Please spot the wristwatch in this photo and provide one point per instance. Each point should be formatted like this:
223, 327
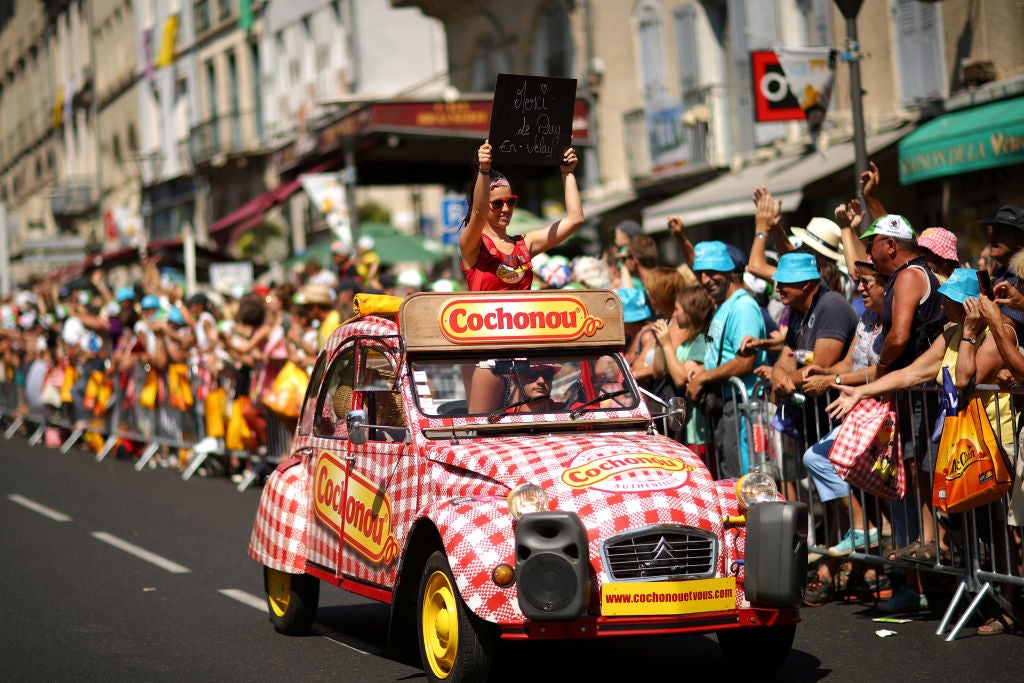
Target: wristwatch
760, 235
969, 340
839, 379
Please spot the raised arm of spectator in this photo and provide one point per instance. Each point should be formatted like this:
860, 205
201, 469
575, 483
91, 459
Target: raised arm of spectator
849, 217
766, 217
870, 180
675, 226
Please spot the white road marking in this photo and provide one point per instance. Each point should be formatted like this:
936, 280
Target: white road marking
141, 553
37, 507
245, 598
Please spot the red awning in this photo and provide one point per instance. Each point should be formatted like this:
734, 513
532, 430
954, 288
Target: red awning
227, 229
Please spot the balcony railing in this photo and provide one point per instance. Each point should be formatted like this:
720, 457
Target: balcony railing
224, 135
73, 198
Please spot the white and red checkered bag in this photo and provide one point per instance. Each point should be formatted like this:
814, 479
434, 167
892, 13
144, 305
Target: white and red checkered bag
867, 451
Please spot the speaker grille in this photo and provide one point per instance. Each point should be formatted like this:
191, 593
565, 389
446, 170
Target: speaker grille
547, 582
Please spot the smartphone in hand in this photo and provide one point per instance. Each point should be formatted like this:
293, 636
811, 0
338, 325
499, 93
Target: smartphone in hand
985, 283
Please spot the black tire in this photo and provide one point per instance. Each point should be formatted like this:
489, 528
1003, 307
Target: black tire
292, 600
763, 648
454, 644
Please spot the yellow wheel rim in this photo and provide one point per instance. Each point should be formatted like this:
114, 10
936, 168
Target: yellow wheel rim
279, 591
440, 625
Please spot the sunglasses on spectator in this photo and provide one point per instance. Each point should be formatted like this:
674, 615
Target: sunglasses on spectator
512, 200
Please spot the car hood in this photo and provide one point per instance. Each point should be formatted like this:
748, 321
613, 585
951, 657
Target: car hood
574, 469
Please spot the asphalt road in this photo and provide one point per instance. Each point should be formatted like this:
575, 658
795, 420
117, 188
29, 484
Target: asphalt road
112, 574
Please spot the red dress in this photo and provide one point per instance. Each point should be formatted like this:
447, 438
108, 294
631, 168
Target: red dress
496, 271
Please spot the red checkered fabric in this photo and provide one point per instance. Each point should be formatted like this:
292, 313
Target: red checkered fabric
278, 536
868, 437
940, 242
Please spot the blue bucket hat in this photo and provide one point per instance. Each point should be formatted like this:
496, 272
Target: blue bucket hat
712, 255
961, 285
149, 302
634, 305
125, 293
797, 266
174, 316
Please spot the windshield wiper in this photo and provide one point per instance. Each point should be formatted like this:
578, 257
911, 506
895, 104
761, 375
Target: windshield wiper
578, 410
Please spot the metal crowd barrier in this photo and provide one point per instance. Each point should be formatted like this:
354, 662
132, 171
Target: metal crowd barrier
984, 549
174, 431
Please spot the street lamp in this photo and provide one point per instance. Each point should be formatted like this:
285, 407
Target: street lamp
850, 8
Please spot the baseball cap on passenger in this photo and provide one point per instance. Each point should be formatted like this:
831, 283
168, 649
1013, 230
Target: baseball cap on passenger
940, 242
961, 285
797, 266
1012, 216
891, 225
712, 255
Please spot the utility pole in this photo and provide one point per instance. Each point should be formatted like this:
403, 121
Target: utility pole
850, 9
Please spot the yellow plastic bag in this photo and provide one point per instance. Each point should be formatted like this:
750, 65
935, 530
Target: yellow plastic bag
70, 377
285, 394
178, 388
216, 408
150, 390
239, 436
98, 390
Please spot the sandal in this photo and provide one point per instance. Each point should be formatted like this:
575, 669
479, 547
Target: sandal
904, 553
927, 554
997, 626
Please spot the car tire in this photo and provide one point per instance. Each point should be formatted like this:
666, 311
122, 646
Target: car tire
292, 600
454, 644
760, 648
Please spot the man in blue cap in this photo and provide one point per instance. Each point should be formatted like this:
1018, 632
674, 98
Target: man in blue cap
737, 316
821, 322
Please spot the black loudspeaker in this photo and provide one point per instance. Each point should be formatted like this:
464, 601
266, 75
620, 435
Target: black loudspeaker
775, 558
552, 565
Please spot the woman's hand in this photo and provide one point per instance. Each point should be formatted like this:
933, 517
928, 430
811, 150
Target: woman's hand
817, 385
848, 398
484, 157
1008, 295
974, 323
811, 370
675, 225
569, 160
661, 332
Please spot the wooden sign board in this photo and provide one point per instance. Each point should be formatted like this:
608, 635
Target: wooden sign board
531, 119
532, 319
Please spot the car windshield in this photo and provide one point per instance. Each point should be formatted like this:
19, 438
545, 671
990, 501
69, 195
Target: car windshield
496, 386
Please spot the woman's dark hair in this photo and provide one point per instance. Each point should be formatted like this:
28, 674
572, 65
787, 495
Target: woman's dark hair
251, 310
471, 192
829, 270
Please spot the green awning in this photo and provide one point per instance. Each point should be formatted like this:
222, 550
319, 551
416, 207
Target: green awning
988, 136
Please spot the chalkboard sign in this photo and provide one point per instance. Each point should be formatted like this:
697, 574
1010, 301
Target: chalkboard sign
531, 119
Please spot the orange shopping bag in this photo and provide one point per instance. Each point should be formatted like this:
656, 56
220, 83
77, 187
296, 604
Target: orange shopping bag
216, 409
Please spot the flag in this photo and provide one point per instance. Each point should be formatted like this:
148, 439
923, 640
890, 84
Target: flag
950, 404
245, 15
811, 73
165, 57
58, 108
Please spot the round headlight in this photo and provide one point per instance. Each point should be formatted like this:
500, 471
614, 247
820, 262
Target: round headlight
526, 498
756, 487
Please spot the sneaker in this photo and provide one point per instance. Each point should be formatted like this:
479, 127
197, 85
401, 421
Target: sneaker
853, 539
819, 592
904, 600
237, 477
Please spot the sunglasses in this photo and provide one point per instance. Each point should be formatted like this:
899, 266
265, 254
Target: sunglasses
512, 200
533, 376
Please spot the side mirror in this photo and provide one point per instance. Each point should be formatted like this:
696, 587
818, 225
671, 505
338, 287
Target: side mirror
355, 421
676, 413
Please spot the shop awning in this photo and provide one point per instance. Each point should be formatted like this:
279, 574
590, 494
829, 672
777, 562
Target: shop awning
227, 229
730, 195
987, 136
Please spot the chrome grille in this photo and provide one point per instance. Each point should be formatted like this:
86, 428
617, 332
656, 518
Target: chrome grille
660, 553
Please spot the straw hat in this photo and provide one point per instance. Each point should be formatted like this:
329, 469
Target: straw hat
823, 236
